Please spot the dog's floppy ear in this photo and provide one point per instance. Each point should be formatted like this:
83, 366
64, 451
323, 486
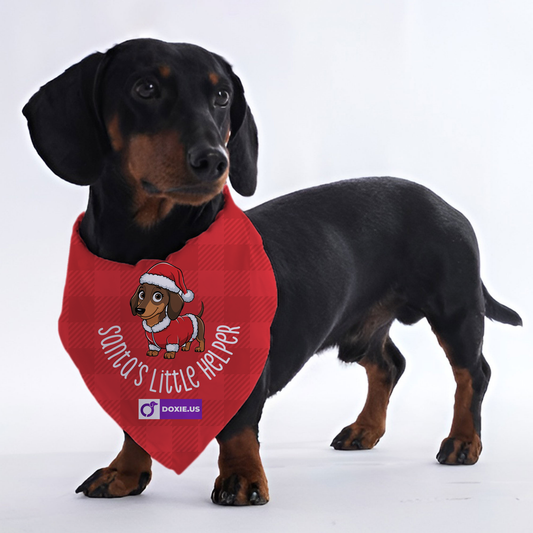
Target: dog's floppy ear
64, 126
175, 305
243, 144
134, 300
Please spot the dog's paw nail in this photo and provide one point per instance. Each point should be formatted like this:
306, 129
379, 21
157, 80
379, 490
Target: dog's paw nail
337, 443
255, 498
356, 443
227, 498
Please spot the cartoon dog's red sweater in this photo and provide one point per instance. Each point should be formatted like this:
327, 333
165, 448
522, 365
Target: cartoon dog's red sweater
171, 334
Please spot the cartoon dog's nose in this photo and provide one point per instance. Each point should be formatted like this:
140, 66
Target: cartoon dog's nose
139, 310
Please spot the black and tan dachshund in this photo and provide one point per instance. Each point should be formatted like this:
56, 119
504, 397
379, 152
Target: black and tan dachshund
156, 129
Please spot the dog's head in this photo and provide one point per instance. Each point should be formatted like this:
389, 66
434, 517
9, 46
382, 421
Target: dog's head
150, 301
169, 117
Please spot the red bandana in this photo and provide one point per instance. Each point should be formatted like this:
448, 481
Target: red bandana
175, 384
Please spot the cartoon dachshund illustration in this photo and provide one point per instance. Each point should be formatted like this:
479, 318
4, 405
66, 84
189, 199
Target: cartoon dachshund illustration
159, 300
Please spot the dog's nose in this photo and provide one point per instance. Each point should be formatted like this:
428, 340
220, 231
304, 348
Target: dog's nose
139, 310
207, 162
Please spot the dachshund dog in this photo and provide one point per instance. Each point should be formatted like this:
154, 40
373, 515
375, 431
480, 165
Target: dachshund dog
161, 307
156, 129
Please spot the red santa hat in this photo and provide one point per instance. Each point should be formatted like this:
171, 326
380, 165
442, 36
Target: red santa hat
168, 277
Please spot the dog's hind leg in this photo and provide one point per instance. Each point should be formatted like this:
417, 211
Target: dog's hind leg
127, 475
384, 364
201, 334
461, 337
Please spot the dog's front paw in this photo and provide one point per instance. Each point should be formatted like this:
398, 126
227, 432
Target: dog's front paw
454, 451
170, 355
237, 490
152, 353
357, 437
110, 483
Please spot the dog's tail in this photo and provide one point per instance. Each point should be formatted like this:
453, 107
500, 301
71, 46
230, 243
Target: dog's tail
496, 311
201, 311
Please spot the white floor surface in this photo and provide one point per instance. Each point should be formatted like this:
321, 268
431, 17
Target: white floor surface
313, 489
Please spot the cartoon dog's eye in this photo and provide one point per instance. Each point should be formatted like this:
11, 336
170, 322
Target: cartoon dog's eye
157, 297
141, 295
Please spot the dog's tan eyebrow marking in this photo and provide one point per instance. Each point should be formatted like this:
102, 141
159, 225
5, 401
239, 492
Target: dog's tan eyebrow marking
113, 130
164, 70
214, 78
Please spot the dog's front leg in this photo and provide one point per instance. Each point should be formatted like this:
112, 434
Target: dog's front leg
127, 475
242, 479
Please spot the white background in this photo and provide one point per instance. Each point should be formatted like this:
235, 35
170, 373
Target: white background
435, 91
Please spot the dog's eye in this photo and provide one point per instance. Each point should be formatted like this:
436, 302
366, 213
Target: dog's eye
157, 297
147, 88
222, 98
141, 295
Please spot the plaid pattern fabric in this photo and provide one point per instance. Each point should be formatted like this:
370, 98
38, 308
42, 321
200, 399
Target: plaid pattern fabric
228, 270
